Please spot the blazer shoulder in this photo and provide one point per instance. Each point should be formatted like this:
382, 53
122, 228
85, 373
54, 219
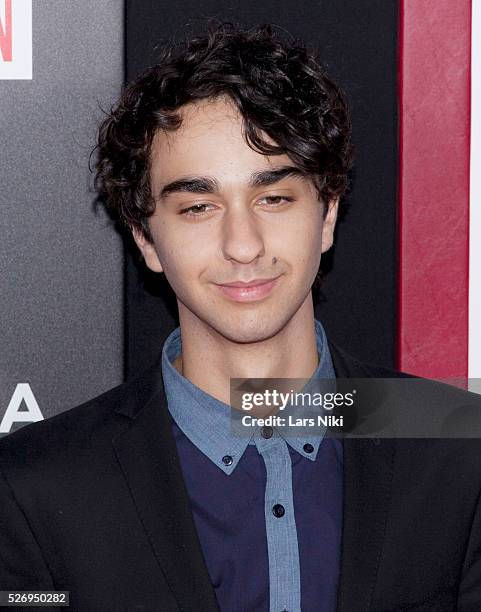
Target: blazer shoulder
421, 407
91, 424
348, 366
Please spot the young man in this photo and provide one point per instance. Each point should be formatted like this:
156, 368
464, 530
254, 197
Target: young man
227, 161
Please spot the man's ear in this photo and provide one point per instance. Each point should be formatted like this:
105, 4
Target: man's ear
148, 250
329, 225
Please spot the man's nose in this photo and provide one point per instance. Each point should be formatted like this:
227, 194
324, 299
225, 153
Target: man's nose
242, 238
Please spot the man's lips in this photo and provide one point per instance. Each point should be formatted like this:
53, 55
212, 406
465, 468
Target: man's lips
241, 291
252, 283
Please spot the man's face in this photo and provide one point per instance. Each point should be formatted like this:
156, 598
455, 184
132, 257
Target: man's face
221, 218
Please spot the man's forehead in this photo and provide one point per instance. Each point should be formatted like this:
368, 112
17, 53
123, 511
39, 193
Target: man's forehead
213, 120
210, 109
210, 143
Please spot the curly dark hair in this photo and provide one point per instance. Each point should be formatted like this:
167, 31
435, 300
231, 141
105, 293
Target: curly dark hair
278, 86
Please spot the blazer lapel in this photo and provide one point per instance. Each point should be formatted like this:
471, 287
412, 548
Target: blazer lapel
148, 457
368, 472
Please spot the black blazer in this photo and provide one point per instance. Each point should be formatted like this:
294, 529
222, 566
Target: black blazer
93, 501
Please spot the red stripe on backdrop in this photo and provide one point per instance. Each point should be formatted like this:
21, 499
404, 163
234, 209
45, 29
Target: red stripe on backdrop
434, 89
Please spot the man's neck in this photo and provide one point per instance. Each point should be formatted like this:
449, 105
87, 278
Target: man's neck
209, 360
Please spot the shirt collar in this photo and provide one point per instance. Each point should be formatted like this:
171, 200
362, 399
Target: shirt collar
206, 421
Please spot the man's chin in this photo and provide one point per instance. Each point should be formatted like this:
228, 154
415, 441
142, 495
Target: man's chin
249, 330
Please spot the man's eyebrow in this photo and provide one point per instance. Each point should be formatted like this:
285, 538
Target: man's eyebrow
269, 177
192, 184
208, 184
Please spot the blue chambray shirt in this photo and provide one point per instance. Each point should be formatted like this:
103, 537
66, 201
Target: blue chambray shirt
268, 511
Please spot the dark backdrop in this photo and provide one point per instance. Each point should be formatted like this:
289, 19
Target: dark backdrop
358, 45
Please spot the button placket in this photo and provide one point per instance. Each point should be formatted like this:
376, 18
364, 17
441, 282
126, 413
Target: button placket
282, 542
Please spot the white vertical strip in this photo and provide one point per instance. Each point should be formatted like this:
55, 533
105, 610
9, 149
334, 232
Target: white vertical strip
474, 354
20, 64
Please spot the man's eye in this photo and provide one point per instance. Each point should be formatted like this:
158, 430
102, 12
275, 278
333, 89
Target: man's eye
275, 200
198, 210
195, 210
